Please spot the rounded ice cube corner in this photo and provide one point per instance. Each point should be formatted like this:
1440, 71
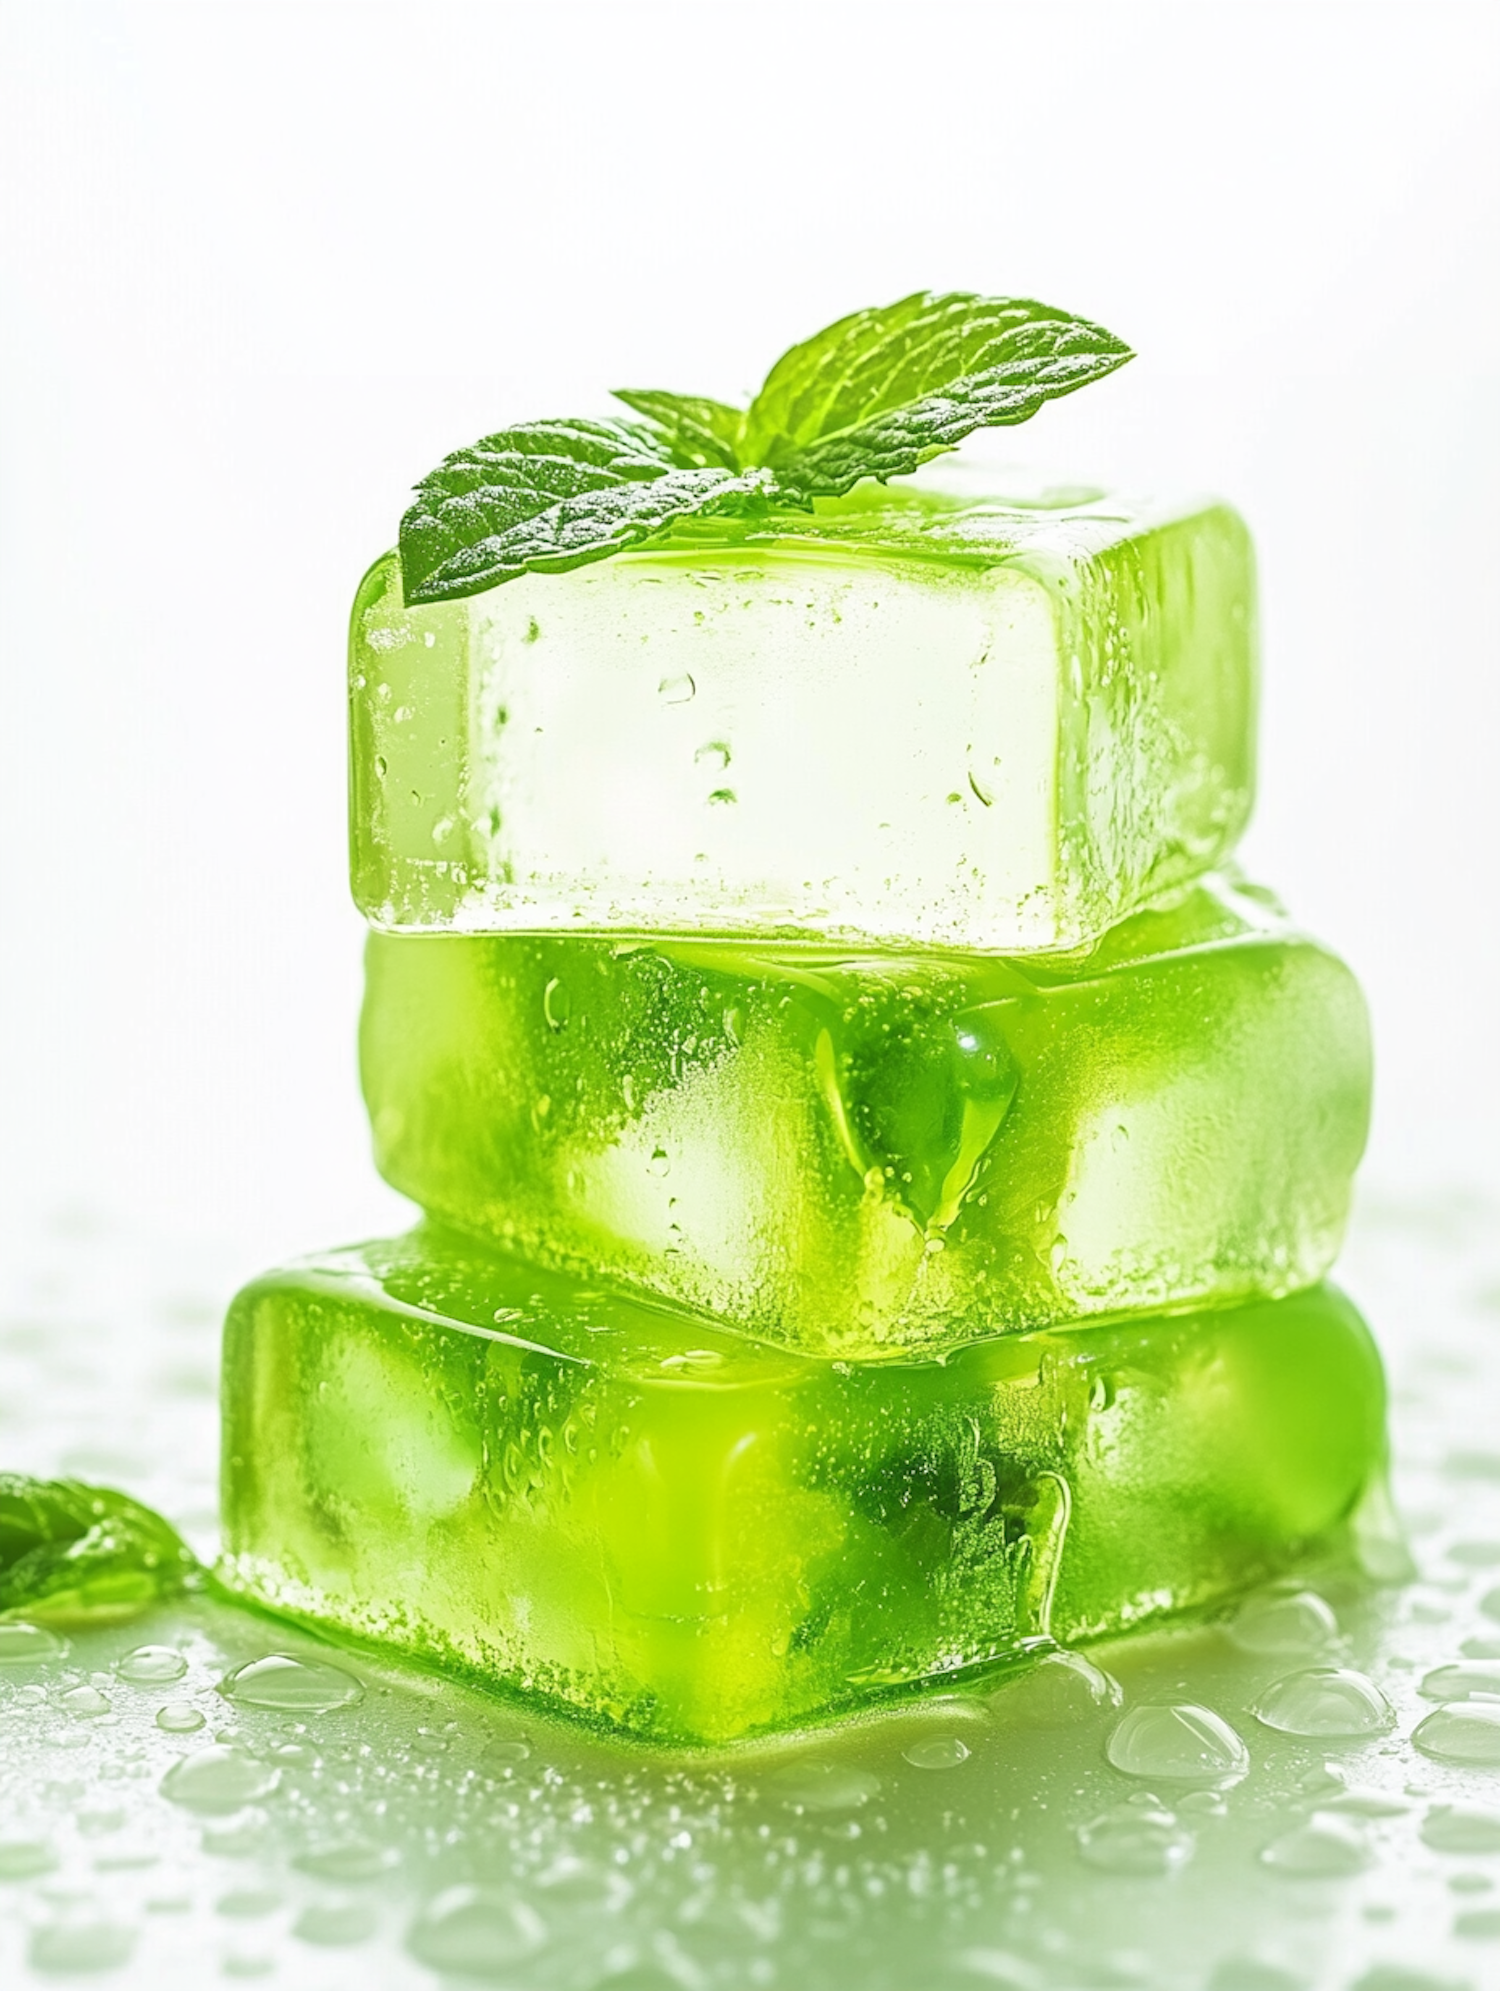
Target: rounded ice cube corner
670, 1531
911, 718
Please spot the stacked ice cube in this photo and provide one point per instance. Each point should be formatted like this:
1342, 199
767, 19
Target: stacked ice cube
878, 1161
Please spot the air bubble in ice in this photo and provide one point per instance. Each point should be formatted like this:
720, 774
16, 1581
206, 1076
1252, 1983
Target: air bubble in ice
660, 1163
1466, 1732
557, 1005
1186, 1743
1325, 1847
676, 690
219, 1778
1283, 1623
1462, 1828
1136, 1839
306, 1686
714, 754
1325, 1700
475, 1931
1478, 1680
151, 1666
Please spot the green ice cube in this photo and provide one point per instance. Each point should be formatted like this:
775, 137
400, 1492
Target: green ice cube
903, 717
858, 1154
676, 1531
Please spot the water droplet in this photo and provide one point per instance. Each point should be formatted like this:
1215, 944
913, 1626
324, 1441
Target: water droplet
1362, 1802
348, 1861
28, 1645
85, 1702
676, 690
151, 1666
504, 1752
937, 1752
335, 1924
240, 1837
1462, 1828
1479, 1680
823, 1787
1187, 1743
1481, 1648
476, 1931
1283, 1622
1055, 1691
660, 1162
219, 1778
557, 1004
1475, 1555
1466, 1732
1480, 1925
1325, 1700
1489, 1603
1325, 1847
713, 753
1397, 1977
179, 1718
248, 1963
1136, 1839
23, 1859
308, 1686
86, 1940
1246, 1973
249, 1903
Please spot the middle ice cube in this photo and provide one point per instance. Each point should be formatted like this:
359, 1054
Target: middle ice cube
861, 1154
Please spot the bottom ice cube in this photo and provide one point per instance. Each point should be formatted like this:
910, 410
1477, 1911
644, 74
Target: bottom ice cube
688, 1535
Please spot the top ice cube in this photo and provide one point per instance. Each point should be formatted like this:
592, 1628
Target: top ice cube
907, 717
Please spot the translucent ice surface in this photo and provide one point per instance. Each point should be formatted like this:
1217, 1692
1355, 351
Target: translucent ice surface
683, 1534
859, 1153
906, 718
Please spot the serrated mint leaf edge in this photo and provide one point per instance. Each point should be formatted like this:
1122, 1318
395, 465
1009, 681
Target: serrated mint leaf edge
590, 527
903, 439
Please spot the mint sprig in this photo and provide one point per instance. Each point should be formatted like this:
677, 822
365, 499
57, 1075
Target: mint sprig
877, 394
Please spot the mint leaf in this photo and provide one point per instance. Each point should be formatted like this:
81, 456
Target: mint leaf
879, 393
699, 433
546, 496
71, 1553
875, 395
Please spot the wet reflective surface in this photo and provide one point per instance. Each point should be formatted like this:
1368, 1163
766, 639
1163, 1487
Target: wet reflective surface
200, 1795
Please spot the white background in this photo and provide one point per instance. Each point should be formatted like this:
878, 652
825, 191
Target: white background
265, 263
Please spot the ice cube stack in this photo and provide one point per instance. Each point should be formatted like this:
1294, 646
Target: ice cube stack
878, 1160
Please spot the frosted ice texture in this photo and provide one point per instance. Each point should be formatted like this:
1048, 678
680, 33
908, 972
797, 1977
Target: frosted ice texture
867, 1153
675, 1531
905, 718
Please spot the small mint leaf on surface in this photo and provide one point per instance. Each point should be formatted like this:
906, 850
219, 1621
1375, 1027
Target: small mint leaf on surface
546, 496
71, 1554
881, 392
701, 434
